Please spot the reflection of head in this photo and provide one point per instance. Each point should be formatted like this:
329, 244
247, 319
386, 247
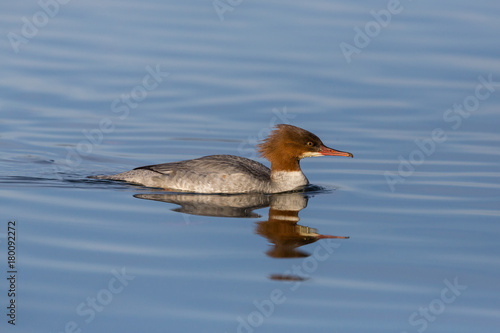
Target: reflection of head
282, 230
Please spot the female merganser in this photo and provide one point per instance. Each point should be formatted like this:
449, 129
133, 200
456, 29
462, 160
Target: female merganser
284, 148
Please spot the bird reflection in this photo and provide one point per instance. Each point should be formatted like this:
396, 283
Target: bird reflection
281, 228
236, 205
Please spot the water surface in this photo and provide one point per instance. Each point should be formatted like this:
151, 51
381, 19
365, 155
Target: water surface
103, 87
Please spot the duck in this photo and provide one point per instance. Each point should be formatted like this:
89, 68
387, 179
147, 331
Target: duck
284, 148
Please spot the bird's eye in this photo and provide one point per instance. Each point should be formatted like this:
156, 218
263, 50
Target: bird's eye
310, 144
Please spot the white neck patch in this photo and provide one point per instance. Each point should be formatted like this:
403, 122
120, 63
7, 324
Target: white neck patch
283, 181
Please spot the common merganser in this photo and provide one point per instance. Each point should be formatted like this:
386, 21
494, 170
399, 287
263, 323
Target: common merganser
284, 148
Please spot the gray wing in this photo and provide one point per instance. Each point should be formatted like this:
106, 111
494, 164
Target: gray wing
213, 164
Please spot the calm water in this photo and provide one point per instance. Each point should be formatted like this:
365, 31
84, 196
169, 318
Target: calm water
411, 89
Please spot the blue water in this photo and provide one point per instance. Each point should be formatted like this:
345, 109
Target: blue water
411, 89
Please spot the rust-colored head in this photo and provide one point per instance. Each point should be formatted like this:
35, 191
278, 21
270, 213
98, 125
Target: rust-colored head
287, 144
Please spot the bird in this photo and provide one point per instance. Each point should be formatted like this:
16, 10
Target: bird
285, 146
